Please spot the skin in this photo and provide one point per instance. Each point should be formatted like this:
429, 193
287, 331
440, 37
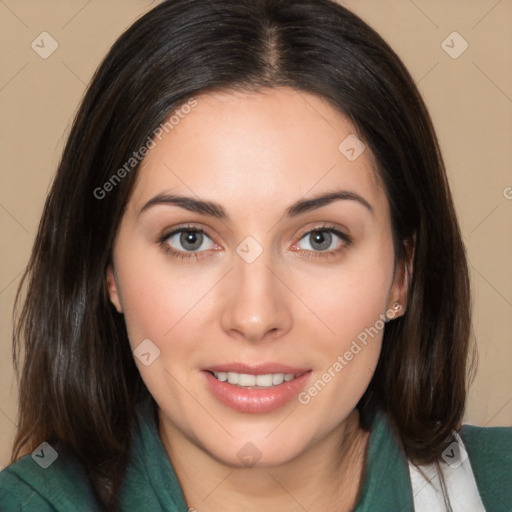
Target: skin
256, 154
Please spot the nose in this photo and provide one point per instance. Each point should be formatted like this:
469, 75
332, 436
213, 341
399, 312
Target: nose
255, 303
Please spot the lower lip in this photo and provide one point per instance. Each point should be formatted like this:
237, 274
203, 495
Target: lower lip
255, 400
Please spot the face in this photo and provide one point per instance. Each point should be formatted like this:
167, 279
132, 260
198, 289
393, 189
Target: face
255, 248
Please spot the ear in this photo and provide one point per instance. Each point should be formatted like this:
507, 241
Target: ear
402, 279
113, 290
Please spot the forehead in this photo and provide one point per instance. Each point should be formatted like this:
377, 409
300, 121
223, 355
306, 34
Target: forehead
267, 147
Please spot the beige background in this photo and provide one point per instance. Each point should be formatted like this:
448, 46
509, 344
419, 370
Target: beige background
470, 99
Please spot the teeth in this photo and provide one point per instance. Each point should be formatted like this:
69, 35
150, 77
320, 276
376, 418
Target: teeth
248, 380
265, 380
233, 378
277, 378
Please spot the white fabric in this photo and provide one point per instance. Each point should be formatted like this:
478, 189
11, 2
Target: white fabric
460, 483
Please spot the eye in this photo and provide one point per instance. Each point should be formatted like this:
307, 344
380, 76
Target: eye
323, 240
317, 241
189, 240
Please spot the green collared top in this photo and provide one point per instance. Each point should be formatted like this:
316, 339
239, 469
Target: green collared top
151, 485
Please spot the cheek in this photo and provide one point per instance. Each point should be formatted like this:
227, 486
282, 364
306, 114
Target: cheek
146, 308
358, 303
160, 304
351, 297
351, 303
156, 295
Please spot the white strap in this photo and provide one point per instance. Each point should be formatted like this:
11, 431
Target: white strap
460, 483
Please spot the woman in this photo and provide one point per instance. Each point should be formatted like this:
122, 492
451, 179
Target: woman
248, 289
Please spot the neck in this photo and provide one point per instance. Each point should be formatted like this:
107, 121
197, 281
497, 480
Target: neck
326, 477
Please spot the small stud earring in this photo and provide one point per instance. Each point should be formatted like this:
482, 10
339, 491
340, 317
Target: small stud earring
391, 313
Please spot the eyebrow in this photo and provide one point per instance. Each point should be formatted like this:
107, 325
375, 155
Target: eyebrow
216, 210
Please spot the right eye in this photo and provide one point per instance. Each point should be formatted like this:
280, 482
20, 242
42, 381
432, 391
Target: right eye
186, 242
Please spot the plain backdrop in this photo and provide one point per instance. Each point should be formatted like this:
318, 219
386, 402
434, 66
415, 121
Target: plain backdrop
469, 95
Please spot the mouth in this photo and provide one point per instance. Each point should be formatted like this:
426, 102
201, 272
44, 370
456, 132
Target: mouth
255, 388
251, 381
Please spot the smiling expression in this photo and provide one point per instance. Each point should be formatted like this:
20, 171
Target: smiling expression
252, 245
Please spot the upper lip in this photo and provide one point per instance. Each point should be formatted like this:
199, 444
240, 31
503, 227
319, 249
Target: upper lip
256, 369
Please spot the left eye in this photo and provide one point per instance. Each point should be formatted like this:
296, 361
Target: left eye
190, 240
319, 240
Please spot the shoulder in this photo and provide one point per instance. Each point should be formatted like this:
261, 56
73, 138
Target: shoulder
490, 441
489, 451
488, 447
16, 494
32, 484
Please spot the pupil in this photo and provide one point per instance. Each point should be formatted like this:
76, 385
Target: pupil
321, 240
191, 240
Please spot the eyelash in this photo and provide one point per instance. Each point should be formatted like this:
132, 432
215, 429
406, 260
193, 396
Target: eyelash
181, 255
346, 241
185, 255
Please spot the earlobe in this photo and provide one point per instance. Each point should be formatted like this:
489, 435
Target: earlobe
113, 290
403, 278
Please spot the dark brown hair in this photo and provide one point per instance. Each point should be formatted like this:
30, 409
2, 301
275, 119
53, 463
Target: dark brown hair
73, 339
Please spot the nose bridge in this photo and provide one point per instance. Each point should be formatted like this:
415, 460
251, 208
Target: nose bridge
255, 305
